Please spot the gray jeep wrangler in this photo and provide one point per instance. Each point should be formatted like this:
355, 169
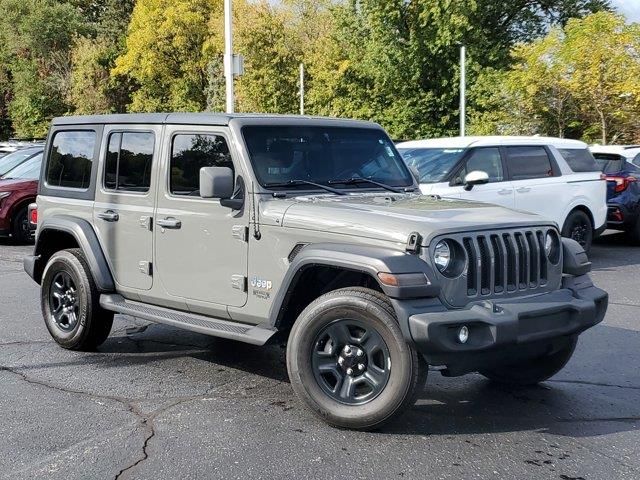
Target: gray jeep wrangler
311, 230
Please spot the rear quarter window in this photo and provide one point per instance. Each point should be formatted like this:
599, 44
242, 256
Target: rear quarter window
579, 159
70, 159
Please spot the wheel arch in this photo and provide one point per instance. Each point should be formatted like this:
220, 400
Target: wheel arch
320, 268
583, 208
62, 232
24, 202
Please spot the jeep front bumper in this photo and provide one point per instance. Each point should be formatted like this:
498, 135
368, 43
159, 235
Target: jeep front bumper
501, 332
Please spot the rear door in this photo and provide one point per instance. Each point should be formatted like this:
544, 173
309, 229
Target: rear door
124, 202
498, 191
201, 251
536, 181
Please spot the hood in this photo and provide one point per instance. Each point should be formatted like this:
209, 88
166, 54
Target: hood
394, 217
9, 185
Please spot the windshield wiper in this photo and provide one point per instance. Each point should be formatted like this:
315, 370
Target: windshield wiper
356, 180
293, 183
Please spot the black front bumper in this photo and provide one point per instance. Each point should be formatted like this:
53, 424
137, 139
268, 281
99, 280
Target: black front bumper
502, 332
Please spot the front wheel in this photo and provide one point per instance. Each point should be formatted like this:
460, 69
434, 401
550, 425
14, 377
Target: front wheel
349, 362
535, 370
578, 227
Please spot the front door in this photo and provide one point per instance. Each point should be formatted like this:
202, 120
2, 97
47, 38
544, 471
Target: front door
200, 246
124, 202
498, 191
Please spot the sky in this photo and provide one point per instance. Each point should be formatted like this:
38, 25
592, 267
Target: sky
630, 8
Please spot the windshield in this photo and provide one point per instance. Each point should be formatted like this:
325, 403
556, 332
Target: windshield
433, 164
283, 154
29, 170
14, 159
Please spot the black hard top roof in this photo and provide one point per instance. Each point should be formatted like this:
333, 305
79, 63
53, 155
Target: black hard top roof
218, 119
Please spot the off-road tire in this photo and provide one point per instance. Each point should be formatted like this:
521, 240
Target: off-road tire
407, 372
93, 322
19, 228
533, 371
579, 220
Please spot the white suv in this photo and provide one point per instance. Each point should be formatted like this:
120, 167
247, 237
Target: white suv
553, 177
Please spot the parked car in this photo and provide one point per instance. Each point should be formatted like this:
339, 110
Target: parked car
18, 188
631, 153
623, 190
555, 178
15, 158
260, 228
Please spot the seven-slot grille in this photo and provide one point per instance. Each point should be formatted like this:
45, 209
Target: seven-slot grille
502, 263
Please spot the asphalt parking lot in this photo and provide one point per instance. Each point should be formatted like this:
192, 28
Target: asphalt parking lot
159, 403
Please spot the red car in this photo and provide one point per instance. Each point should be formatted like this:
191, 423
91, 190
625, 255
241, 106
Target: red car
19, 188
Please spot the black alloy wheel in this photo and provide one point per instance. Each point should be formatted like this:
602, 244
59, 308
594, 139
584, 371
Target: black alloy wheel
351, 362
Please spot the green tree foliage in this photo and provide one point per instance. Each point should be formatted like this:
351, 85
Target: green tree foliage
36, 36
166, 55
582, 81
395, 61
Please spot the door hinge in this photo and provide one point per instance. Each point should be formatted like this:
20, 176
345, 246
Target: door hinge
239, 282
240, 232
145, 267
146, 222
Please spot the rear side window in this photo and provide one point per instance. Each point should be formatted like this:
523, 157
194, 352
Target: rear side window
70, 159
128, 162
636, 160
528, 162
579, 159
191, 152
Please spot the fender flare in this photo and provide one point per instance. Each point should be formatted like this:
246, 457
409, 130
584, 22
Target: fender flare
86, 238
358, 258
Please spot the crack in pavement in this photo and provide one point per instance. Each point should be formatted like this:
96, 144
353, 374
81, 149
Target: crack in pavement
144, 420
595, 384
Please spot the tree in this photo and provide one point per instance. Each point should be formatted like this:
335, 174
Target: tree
35, 36
603, 53
166, 55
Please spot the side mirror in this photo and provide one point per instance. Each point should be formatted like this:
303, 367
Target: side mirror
216, 182
476, 177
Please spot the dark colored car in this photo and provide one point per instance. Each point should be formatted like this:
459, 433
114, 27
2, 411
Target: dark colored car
18, 188
623, 193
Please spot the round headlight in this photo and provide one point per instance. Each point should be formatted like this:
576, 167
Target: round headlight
442, 255
552, 247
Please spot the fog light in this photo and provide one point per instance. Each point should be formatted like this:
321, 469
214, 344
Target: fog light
463, 334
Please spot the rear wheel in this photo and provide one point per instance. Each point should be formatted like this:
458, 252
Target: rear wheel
20, 227
349, 362
70, 303
535, 370
578, 227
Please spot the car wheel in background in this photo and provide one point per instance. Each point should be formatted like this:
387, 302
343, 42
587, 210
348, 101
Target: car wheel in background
578, 227
20, 227
534, 370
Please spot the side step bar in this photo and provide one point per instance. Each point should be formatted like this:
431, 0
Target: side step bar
255, 335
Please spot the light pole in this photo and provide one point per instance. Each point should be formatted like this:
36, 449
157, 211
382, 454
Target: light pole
463, 88
301, 89
228, 55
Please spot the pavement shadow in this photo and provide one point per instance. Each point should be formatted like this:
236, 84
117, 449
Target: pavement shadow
612, 250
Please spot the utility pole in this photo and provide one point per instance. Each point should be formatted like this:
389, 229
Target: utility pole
228, 55
301, 93
463, 88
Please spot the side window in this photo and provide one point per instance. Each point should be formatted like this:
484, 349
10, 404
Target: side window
128, 162
70, 159
485, 160
191, 152
579, 159
528, 162
636, 160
